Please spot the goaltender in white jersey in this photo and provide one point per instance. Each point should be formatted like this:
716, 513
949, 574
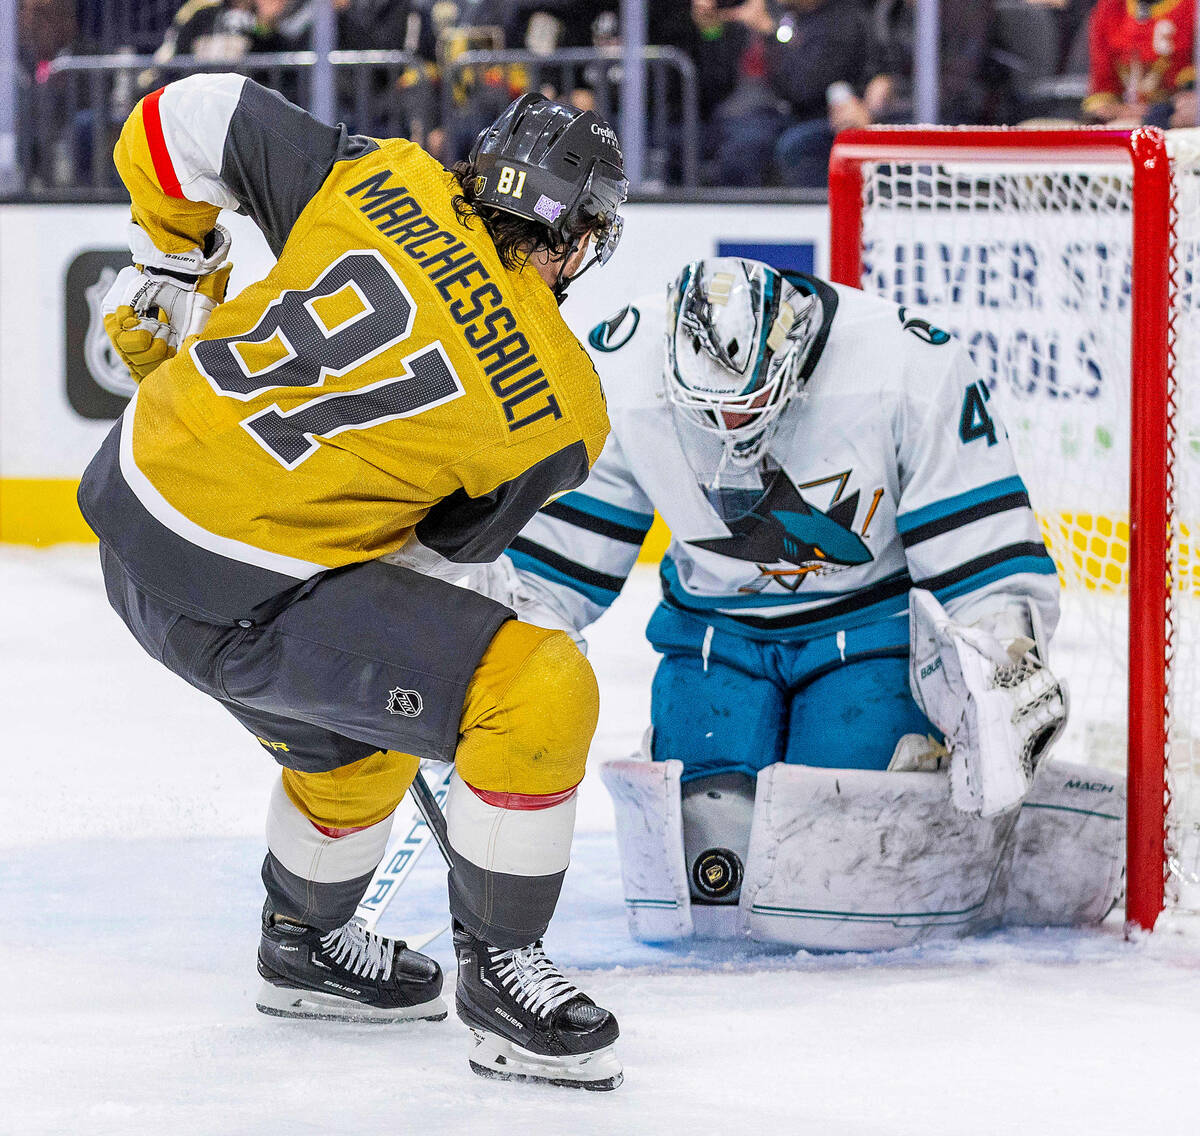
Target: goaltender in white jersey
856, 589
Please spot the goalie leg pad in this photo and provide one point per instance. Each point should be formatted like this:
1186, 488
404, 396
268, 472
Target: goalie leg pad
1068, 860
861, 860
647, 803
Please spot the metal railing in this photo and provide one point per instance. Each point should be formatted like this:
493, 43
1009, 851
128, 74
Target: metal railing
672, 121
71, 121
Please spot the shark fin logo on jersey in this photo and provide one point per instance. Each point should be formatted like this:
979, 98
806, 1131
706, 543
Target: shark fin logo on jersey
613, 333
923, 329
785, 528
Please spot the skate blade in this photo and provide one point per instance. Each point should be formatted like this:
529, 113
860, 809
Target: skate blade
494, 1057
290, 1002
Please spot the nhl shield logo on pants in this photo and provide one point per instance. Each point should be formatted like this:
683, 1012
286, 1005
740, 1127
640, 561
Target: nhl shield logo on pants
404, 702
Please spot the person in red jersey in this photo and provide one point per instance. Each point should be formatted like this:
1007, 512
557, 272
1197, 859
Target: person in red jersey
1141, 56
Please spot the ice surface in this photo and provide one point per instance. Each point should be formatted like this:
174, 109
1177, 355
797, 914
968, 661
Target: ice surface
132, 817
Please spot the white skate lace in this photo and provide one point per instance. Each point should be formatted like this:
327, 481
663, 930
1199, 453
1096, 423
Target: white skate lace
532, 979
360, 951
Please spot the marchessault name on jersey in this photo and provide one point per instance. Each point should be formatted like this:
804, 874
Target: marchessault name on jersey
509, 362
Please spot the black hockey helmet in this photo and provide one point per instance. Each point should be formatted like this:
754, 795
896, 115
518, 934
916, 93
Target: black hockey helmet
554, 165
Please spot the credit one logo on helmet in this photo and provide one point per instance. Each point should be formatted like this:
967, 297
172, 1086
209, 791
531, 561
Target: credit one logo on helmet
607, 133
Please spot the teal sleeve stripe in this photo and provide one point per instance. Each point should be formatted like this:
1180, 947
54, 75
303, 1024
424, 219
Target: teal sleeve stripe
594, 507
1037, 565
602, 597
906, 522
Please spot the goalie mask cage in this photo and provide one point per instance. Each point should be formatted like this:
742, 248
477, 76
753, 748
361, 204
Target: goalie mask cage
1066, 260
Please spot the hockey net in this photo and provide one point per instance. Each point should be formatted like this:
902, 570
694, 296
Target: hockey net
1066, 260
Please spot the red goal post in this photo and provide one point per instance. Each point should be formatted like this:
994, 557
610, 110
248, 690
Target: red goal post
1142, 156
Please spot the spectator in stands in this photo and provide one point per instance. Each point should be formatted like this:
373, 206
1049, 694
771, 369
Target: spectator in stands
221, 30
228, 30
578, 23
1071, 17
1141, 60
477, 94
669, 24
547, 25
798, 53
232, 30
965, 34
1183, 109
47, 29
717, 47
386, 25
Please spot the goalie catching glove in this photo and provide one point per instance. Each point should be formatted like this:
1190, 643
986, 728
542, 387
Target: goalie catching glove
162, 298
998, 705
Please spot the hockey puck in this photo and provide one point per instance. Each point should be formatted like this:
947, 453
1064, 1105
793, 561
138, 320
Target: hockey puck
717, 873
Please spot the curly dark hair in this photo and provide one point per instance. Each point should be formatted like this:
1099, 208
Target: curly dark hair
516, 238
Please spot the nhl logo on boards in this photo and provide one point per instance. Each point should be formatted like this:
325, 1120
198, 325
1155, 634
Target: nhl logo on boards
406, 703
98, 384
717, 874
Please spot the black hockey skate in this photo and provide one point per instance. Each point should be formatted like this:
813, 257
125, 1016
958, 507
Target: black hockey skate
529, 1022
350, 974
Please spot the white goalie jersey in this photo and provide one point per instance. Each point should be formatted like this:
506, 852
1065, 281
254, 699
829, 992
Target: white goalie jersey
888, 471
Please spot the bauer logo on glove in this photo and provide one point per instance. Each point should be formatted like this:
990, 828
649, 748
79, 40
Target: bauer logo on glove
163, 298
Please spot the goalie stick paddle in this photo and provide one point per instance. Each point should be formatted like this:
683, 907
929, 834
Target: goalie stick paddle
423, 824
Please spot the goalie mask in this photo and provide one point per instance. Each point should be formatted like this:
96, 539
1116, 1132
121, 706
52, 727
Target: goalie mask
738, 333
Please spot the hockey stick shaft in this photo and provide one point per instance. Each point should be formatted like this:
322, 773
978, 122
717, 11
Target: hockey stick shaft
404, 851
432, 812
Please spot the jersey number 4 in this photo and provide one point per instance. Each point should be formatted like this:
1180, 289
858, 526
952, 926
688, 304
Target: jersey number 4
975, 421
357, 309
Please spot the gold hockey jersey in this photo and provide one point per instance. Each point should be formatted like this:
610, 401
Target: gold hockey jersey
389, 387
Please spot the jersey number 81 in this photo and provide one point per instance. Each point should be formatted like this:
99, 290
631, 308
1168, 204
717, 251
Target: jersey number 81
302, 348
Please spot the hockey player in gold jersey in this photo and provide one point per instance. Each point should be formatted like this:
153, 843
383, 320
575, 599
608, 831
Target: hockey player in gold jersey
302, 470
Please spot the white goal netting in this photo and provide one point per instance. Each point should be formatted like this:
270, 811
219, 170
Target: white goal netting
1029, 262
